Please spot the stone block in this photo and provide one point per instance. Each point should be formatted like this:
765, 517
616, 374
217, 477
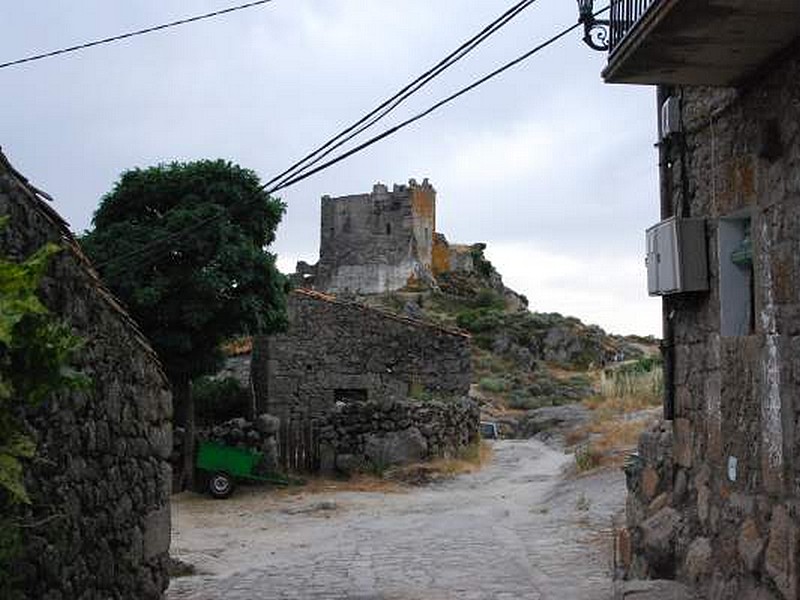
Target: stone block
703, 504
697, 565
683, 446
658, 503
780, 558
396, 448
268, 424
658, 541
157, 532
650, 481
750, 545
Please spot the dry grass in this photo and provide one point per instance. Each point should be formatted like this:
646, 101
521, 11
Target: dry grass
612, 432
473, 460
394, 480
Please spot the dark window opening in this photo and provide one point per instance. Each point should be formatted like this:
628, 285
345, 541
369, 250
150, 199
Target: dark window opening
347, 395
388, 229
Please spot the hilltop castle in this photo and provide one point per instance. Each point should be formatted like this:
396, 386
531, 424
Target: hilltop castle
382, 241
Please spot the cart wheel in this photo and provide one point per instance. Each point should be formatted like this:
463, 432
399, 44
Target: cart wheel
220, 485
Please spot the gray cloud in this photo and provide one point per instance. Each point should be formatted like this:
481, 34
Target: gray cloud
546, 155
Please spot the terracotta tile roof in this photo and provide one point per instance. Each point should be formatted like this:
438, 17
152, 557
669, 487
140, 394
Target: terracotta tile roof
237, 347
383, 313
39, 201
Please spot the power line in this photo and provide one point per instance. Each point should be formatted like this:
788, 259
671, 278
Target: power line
300, 177
387, 106
425, 113
131, 34
384, 109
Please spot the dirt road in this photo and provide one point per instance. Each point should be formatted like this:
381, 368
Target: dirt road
516, 530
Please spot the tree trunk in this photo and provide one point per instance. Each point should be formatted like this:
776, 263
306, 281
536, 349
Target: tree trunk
184, 412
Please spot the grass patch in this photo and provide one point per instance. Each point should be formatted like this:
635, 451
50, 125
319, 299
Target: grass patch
468, 460
495, 385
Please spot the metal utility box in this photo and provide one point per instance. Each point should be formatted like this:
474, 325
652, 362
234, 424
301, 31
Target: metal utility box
677, 258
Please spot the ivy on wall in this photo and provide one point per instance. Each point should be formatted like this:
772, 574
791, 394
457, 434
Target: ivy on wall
35, 351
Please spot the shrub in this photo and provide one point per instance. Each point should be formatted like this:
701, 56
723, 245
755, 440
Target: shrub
488, 298
523, 402
493, 384
480, 320
218, 400
587, 458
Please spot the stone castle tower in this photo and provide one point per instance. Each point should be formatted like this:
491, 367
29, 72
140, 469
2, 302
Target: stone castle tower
377, 242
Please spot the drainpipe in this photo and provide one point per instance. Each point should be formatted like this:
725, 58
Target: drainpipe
667, 211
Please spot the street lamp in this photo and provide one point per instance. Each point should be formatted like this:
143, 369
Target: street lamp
595, 31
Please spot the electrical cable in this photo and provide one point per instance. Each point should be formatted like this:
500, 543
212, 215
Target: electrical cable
425, 113
130, 34
388, 132
387, 106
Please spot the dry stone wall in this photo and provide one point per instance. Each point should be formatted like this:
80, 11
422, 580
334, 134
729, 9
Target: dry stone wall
731, 519
100, 482
372, 435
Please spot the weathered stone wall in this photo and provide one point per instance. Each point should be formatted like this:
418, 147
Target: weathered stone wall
736, 457
337, 350
100, 482
373, 243
373, 435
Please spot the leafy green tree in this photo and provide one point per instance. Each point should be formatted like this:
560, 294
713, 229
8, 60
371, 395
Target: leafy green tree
184, 246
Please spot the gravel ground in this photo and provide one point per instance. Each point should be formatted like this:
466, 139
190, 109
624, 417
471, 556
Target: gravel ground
519, 529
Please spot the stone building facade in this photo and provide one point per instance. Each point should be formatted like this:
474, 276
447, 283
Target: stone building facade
344, 351
100, 482
715, 491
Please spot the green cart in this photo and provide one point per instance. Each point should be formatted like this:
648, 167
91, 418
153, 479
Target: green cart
224, 465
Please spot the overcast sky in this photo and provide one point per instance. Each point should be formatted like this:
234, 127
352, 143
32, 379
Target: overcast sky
553, 169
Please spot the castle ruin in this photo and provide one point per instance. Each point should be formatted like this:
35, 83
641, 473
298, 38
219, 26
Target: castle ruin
381, 241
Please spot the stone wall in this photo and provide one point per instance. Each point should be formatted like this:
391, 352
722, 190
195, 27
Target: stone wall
100, 482
376, 242
335, 350
373, 435
734, 528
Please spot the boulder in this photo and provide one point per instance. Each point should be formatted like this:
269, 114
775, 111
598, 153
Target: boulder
658, 540
268, 424
697, 564
396, 447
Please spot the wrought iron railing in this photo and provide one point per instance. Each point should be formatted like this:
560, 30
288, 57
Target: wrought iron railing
625, 14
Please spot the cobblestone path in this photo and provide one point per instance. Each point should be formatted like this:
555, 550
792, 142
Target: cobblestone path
517, 530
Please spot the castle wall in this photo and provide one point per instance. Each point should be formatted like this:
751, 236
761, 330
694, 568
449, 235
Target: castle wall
99, 522
730, 519
335, 348
377, 242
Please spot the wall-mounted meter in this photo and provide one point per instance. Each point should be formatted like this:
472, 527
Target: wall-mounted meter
677, 259
670, 117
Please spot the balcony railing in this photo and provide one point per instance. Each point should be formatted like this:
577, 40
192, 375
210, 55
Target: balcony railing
625, 14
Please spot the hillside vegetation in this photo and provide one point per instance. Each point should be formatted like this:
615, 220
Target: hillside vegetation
522, 359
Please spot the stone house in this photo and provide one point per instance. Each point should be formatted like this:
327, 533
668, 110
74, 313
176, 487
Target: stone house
100, 482
339, 351
715, 492
381, 241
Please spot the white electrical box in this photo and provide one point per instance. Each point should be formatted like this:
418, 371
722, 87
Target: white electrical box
677, 259
670, 117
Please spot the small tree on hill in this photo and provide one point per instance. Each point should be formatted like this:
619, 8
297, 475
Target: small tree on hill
183, 245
